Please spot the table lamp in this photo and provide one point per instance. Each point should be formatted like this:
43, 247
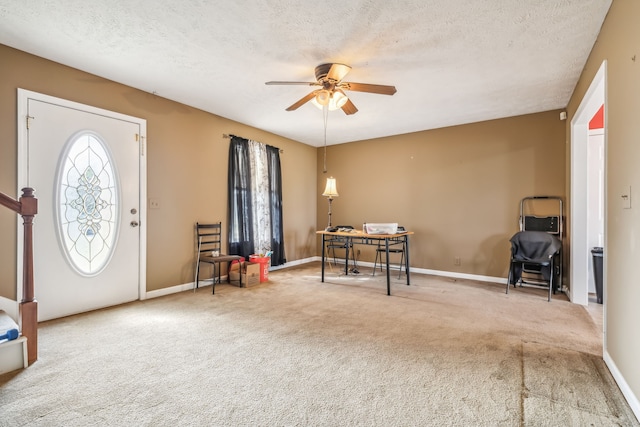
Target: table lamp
330, 191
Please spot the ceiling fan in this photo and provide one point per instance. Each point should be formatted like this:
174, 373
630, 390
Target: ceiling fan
331, 93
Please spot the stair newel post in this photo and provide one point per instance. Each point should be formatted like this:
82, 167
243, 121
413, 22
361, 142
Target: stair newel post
29, 305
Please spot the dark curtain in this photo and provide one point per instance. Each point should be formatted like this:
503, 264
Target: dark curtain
241, 239
275, 197
240, 208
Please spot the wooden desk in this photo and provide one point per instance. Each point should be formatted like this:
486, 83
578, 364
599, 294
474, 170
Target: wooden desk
357, 237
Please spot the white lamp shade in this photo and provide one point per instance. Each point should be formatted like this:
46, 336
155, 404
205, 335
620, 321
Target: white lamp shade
330, 189
323, 97
332, 100
339, 99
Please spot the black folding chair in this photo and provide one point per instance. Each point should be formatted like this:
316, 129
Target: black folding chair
534, 252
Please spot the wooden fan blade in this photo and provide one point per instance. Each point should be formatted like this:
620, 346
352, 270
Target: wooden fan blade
349, 108
338, 71
308, 97
294, 83
365, 87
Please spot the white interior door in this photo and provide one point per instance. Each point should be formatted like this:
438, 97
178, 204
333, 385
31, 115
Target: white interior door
85, 166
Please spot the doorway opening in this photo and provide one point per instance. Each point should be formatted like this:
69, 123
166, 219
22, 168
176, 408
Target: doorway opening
588, 188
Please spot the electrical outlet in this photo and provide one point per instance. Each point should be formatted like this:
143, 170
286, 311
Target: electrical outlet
154, 203
456, 260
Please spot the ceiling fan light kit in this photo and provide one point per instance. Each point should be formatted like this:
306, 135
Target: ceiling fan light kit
329, 77
332, 101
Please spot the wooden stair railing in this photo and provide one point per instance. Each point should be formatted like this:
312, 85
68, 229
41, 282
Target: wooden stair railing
27, 207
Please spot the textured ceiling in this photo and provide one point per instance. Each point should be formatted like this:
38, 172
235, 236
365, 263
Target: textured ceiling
452, 61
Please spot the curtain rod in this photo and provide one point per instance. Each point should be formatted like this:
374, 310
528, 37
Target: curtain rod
227, 136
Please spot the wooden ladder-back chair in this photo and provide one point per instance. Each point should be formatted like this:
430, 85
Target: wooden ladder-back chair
209, 250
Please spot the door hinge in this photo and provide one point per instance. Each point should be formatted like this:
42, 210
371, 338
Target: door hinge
29, 121
142, 145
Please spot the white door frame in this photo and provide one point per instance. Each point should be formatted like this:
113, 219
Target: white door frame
581, 256
23, 178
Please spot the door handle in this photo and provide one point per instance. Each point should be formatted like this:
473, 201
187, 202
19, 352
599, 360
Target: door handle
135, 223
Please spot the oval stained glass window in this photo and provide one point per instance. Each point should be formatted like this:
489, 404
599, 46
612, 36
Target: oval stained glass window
87, 202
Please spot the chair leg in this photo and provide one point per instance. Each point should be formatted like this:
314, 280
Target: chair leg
550, 279
401, 264
375, 262
195, 282
509, 276
328, 259
333, 255
333, 251
213, 279
355, 261
379, 254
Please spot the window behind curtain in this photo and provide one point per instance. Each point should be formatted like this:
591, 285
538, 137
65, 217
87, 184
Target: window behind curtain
255, 200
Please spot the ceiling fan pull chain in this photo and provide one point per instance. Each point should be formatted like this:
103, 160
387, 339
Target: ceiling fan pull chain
325, 114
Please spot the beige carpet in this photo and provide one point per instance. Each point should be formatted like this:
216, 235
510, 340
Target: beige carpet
297, 352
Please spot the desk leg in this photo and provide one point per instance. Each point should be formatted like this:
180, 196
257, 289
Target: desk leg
324, 249
346, 257
406, 259
386, 246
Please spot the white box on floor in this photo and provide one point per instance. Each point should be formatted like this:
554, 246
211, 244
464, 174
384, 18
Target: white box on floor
13, 355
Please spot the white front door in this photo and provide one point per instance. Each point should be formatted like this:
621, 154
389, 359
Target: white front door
85, 166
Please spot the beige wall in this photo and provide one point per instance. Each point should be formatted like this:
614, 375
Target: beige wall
457, 188
619, 44
187, 167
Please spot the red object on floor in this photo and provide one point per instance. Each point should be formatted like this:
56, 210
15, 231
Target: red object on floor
264, 266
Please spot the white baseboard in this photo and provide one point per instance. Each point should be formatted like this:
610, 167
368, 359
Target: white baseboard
294, 263
456, 275
452, 274
208, 282
179, 288
628, 394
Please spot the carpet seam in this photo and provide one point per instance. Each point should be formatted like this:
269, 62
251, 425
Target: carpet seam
522, 384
